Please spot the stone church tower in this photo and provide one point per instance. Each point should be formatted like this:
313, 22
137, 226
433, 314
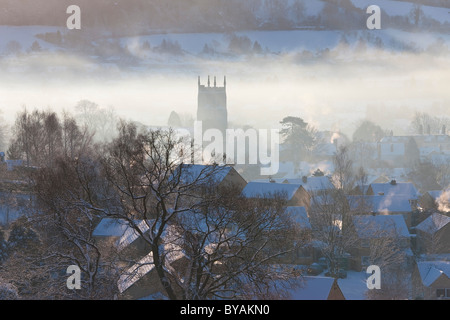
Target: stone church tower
212, 105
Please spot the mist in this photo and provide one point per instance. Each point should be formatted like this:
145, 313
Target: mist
331, 94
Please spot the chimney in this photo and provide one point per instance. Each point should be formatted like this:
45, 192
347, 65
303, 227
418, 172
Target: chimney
444, 130
393, 182
305, 179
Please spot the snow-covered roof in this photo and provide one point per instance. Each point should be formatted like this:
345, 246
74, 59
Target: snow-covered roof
270, 180
312, 184
433, 223
203, 173
395, 139
262, 189
430, 271
379, 226
136, 272
313, 288
120, 228
130, 234
172, 250
380, 204
300, 216
435, 194
397, 188
110, 227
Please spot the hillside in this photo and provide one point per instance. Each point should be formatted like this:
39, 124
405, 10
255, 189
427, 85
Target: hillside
121, 17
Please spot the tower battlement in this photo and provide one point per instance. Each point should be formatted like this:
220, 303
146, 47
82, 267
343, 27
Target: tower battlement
212, 105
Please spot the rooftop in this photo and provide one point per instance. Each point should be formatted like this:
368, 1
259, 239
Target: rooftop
380, 226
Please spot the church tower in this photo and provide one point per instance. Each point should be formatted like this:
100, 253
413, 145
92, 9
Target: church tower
212, 105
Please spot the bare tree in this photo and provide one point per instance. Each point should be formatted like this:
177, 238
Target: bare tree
331, 219
66, 192
343, 175
227, 241
388, 251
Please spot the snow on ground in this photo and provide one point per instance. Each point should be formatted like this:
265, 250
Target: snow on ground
289, 41
25, 35
401, 8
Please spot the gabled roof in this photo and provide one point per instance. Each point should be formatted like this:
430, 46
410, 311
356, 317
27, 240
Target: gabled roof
263, 189
120, 228
312, 184
397, 188
430, 271
433, 223
379, 226
300, 216
313, 288
435, 194
380, 204
203, 173
110, 227
172, 250
396, 139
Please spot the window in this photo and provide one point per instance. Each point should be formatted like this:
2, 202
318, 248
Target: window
443, 293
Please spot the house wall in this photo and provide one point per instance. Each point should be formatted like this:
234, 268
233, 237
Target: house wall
419, 291
427, 202
336, 292
233, 179
437, 243
300, 199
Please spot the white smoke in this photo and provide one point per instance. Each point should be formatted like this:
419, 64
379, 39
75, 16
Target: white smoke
443, 202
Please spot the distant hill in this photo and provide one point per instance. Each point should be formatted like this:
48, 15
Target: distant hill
121, 17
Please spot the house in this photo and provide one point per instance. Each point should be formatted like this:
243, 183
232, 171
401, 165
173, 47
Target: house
394, 188
429, 199
294, 194
303, 253
395, 192
382, 205
436, 199
213, 176
431, 280
118, 235
317, 288
398, 150
432, 144
141, 280
378, 230
312, 185
433, 234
